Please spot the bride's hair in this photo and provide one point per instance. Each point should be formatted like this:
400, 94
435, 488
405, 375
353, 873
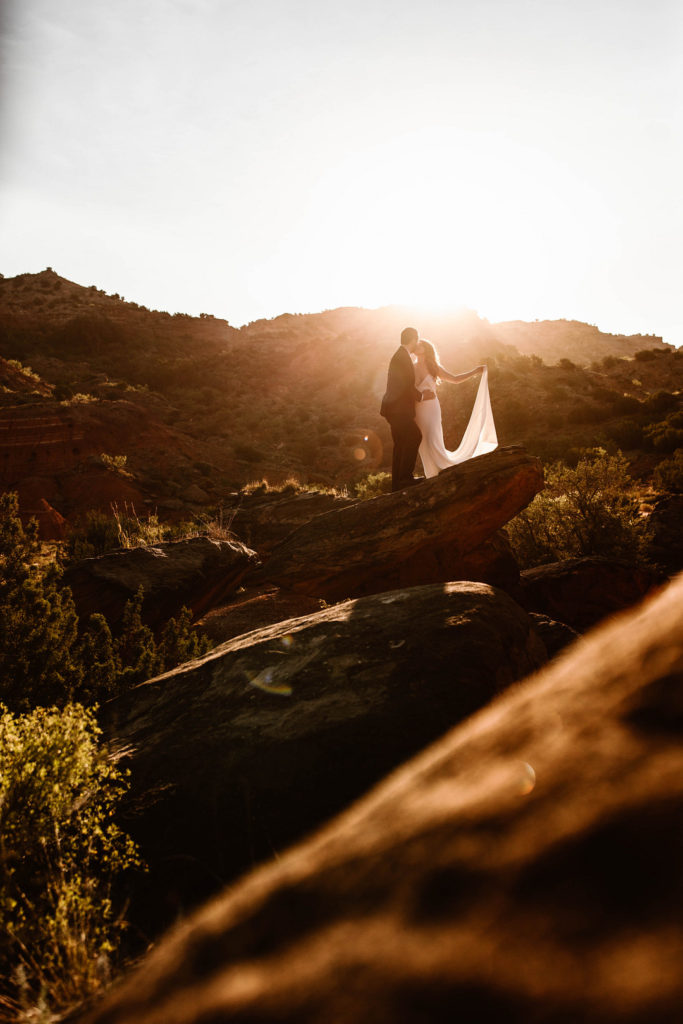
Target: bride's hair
431, 358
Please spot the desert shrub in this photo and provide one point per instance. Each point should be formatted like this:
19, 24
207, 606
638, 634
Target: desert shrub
43, 660
38, 621
92, 535
372, 485
667, 435
590, 509
646, 355
62, 851
115, 463
668, 476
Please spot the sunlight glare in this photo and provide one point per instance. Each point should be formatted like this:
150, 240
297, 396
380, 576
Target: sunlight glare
436, 219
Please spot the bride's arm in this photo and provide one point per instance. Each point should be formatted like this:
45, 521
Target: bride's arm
457, 378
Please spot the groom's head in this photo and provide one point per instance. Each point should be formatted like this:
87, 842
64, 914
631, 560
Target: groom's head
409, 338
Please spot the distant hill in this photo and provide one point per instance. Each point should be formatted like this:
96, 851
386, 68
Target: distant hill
299, 394
584, 344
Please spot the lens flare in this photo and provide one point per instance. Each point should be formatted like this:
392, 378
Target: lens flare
266, 680
526, 778
359, 454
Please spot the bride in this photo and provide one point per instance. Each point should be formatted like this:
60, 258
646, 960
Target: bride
480, 435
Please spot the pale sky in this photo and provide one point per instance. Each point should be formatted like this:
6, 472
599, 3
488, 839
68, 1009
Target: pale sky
247, 158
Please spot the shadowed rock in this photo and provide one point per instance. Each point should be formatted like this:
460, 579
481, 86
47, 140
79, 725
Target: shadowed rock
526, 868
393, 540
197, 572
239, 753
583, 591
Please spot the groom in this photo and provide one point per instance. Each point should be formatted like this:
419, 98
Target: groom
398, 407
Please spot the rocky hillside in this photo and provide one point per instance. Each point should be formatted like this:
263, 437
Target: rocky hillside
294, 396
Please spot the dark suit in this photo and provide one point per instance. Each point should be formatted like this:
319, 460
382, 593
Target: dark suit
398, 407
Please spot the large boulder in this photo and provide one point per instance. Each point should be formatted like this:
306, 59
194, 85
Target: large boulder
583, 591
394, 540
197, 572
526, 868
239, 753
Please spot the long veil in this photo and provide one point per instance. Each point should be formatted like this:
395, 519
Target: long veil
480, 436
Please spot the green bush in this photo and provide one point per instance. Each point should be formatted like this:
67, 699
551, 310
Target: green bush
591, 509
61, 852
372, 485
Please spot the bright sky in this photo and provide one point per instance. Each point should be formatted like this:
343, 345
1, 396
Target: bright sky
253, 157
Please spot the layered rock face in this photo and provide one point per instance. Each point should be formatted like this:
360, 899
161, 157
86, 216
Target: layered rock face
239, 753
420, 535
526, 868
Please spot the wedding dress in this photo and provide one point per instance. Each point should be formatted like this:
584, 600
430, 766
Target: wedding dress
479, 437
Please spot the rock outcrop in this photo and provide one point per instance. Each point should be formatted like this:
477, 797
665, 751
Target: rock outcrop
197, 572
239, 753
583, 591
263, 519
525, 868
394, 540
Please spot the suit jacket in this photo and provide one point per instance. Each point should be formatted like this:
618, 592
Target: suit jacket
401, 394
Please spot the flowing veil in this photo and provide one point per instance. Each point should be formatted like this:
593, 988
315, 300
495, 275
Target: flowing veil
480, 436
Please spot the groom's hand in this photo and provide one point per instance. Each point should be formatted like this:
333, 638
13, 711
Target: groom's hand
427, 395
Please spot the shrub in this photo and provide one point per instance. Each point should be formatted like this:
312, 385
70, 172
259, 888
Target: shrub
663, 437
591, 509
92, 536
646, 355
38, 621
668, 476
43, 660
627, 434
662, 401
59, 927
372, 485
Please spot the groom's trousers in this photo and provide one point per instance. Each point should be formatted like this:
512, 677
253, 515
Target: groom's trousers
406, 436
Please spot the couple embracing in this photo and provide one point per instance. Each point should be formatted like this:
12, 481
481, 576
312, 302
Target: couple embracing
412, 408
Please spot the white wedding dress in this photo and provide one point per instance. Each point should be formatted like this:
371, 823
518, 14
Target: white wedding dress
479, 437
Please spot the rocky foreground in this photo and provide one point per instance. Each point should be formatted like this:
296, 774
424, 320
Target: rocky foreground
237, 754
525, 868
